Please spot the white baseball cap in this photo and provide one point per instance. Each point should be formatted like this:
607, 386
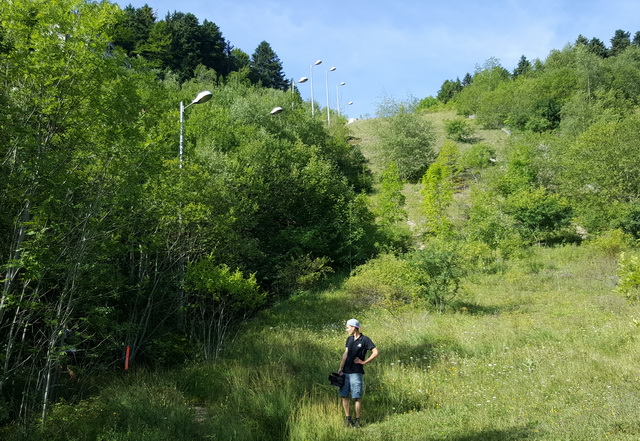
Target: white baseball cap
353, 322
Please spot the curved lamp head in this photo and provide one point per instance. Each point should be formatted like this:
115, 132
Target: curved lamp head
343, 83
332, 69
303, 80
318, 62
276, 110
202, 97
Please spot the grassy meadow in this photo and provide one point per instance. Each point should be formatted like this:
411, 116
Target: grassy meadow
543, 350
538, 348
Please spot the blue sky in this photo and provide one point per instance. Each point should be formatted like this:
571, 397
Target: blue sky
402, 48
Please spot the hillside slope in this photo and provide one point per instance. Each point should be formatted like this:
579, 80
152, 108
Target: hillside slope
540, 348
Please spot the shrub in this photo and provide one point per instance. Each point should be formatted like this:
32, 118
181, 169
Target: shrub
437, 270
612, 242
302, 273
478, 156
541, 216
385, 279
218, 298
459, 130
487, 222
408, 139
429, 103
629, 220
629, 274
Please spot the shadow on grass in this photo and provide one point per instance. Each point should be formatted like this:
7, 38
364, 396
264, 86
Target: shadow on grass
478, 309
315, 309
511, 434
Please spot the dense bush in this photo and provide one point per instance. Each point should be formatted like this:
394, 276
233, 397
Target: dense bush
540, 216
459, 130
387, 279
407, 140
438, 269
478, 156
629, 276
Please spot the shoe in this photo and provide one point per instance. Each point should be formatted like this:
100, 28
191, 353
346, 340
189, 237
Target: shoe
356, 423
348, 422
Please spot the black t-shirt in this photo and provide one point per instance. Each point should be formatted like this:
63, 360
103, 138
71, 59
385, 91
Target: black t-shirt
357, 348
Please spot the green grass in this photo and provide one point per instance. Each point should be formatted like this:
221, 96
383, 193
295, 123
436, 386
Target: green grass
543, 351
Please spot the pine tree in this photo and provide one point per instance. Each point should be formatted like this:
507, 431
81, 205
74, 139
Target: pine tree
620, 42
523, 67
265, 68
598, 48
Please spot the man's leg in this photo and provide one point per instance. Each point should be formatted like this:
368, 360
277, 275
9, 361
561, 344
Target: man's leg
358, 407
345, 406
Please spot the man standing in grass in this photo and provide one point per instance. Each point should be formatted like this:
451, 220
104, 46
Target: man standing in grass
351, 364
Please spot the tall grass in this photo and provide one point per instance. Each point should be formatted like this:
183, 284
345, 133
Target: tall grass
543, 351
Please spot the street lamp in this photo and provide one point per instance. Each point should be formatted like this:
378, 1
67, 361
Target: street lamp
326, 85
338, 95
311, 76
202, 97
301, 80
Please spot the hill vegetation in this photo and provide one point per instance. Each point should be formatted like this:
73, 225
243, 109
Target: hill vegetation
487, 239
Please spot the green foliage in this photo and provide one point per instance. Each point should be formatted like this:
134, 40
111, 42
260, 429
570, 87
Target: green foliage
219, 301
540, 215
390, 199
428, 104
607, 176
520, 171
408, 141
390, 106
487, 222
449, 90
438, 186
387, 280
486, 79
612, 242
629, 220
629, 276
302, 274
478, 156
459, 130
265, 68
438, 269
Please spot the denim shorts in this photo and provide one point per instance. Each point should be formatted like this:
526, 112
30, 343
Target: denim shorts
354, 385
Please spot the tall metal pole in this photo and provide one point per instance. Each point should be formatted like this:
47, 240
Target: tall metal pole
311, 77
338, 96
326, 85
181, 130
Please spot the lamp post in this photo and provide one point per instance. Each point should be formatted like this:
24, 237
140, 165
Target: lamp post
202, 97
326, 85
301, 80
338, 95
311, 76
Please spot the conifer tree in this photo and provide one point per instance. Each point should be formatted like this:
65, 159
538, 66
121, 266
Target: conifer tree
266, 68
620, 41
523, 67
598, 48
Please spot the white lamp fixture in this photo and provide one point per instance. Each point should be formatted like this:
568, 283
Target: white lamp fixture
202, 97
